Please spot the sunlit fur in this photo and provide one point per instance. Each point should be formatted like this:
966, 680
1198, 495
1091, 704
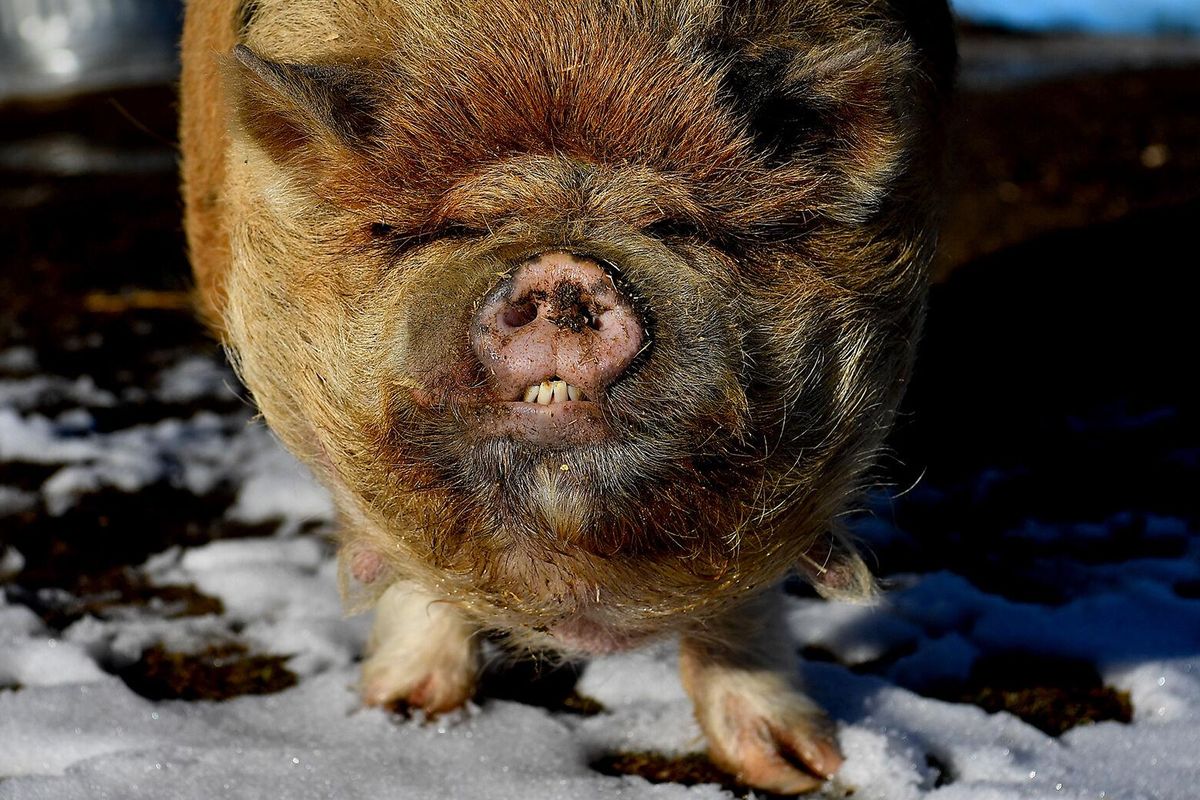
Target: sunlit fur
758, 174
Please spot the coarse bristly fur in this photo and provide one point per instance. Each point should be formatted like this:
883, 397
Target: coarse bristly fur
761, 178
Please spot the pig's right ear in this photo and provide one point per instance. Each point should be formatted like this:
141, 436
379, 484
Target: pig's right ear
299, 111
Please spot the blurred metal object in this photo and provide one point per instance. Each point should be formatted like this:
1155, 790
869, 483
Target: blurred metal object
50, 48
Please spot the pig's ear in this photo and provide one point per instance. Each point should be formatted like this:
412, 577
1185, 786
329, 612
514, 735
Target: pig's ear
296, 111
836, 107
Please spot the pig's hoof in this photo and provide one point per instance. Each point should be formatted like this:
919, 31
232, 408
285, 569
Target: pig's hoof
422, 656
413, 681
770, 737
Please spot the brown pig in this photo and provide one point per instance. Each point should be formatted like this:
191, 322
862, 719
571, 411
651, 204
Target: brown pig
591, 314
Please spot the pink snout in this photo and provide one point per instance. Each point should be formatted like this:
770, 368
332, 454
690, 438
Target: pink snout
559, 321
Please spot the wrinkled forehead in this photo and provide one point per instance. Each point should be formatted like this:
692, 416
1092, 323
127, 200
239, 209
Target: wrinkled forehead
611, 79
627, 99
555, 116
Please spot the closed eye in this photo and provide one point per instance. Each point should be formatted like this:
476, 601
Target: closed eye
674, 228
403, 241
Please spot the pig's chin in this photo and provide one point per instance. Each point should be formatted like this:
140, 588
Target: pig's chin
611, 477
540, 471
550, 427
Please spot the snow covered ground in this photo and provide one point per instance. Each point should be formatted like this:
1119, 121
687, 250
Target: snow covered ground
259, 582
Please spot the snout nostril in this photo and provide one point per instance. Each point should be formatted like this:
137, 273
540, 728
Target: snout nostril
518, 315
560, 315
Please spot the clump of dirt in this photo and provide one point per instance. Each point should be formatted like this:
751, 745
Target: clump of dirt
571, 309
690, 770
220, 672
1051, 694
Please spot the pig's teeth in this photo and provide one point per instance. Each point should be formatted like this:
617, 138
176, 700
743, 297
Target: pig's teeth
548, 392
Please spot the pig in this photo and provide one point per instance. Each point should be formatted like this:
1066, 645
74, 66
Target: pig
592, 315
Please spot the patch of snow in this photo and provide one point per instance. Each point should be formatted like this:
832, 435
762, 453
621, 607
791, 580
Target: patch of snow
196, 378
943, 659
855, 633
647, 708
46, 662
276, 486
18, 359
29, 393
310, 742
11, 563
197, 454
36, 440
14, 501
880, 767
1109, 629
1162, 691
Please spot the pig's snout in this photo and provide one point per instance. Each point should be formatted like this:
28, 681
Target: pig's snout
558, 329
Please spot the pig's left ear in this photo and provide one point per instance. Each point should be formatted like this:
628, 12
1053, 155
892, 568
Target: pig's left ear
828, 109
298, 111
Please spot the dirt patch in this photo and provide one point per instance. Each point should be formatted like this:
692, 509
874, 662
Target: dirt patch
107, 594
692, 769
111, 528
1071, 153
220, 672
26, 475
1053, 695
88, 552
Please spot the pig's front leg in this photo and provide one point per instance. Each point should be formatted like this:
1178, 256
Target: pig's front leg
741, 675
422, 654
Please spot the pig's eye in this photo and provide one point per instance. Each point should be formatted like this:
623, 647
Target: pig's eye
402, 241
674, 228
456, 230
